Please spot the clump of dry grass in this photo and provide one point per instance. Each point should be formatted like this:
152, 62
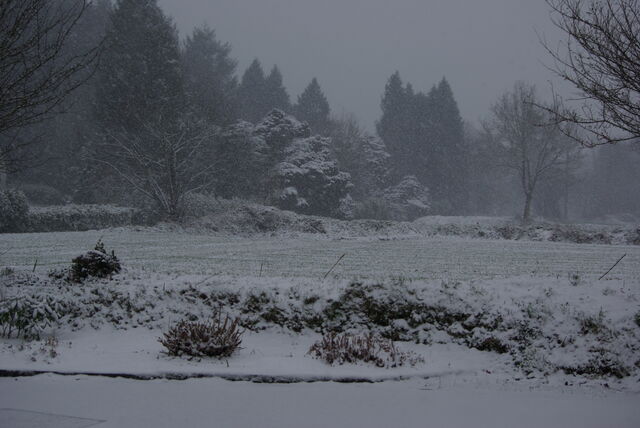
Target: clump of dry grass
216, 338
368, 348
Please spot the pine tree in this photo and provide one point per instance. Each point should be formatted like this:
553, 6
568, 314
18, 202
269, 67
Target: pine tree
444, 151
209, 76
276, 95
140, 78
251, 93
313, 108
396, 124
150, 144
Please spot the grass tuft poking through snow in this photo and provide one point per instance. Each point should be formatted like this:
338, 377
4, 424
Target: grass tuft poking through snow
215, 338
368, 348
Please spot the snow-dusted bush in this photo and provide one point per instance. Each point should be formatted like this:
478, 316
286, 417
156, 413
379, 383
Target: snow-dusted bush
368, 348
82, 217
95, 263
309, 180
408, 199
27, 317
278, 129
41, 194
240, 160
199, 205
373, 208
14, 211
216, 338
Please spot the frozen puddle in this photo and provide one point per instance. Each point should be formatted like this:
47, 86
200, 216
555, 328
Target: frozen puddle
16, 418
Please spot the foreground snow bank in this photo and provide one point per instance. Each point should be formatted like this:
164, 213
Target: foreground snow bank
541, 327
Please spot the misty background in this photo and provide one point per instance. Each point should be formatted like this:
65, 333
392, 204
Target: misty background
348, 109
353, 46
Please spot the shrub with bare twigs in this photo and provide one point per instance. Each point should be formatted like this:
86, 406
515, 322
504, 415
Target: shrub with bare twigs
368, 348
216, 338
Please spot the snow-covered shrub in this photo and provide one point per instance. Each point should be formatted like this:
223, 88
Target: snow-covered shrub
309, 180
199, 205
82, 217
408, 199
26, 317
216, 338
279, 129
240, 160
373, 208
346, 208
14, 211
371, 171
96, 263
41, 194
368, 348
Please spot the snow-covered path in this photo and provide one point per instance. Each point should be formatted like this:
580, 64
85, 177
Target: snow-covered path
220, 403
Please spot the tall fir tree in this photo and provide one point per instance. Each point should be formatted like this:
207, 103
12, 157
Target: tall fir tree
447, 158
139, 88
209, 77
313, 108
424, 134
396, 124
251, 93
276, 95
140, 78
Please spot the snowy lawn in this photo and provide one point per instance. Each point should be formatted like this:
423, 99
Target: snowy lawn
311, 256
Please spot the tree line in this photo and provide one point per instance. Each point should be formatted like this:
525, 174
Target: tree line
146, 119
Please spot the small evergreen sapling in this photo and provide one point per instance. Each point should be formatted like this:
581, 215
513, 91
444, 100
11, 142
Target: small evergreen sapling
97, 263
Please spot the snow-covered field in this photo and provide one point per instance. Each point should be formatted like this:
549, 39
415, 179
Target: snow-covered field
571, 342
311, 256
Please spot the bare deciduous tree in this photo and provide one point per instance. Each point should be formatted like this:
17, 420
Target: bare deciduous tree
522, 141
164, 163
36, 69
601, 58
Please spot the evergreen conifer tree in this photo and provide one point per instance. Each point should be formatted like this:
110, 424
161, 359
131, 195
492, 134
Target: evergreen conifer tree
447, 169
276, 96
251, 93
209, 76
394, 127
313, 108
140, 78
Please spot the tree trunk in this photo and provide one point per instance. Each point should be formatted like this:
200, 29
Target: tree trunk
3, 175
526, 216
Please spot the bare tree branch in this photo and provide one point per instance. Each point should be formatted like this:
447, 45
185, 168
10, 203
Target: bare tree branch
524, 141
37, 71
601, 58
163, 163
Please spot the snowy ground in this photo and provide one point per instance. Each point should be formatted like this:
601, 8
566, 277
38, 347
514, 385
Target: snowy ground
552, 288
438, 403
412, 257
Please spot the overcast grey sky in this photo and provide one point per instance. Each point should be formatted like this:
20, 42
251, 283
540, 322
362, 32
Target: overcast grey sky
353, 46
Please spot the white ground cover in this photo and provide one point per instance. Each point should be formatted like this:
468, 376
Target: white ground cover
439, 403
311, 256
571, 338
